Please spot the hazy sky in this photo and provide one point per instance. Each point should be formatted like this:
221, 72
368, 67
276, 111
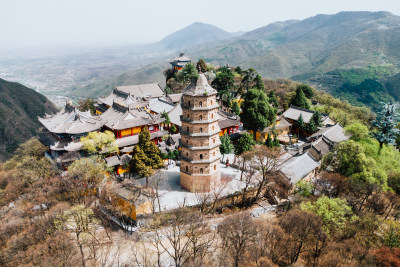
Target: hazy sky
32, 23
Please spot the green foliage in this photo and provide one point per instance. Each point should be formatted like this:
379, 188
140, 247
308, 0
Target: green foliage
256, 111
311, 127
168, 90
87, 104
385, 125
201, 65
392, 235
250, 79
236, 108
300, 124
358, 131
238, 70
307, 90
304, 188
334, 212
151, 151
272, 98
89, 171
269, 142
140, 163
187, 74
173, 128
246, 143
99, 142
166, 117
299, 99
342, 111
223, 82
226, 146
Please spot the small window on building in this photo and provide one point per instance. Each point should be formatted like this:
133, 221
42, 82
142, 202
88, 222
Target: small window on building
201, 170
187, 129
189, 103
201, 104
214, 153
213, 127
187, 169
214, 141
211, 102
201, 130
215, 167
201, 117
212, 115
187, 141
201, 156
187, 154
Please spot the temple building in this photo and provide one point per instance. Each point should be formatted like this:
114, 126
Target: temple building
180, 62
137, 96
200, 155
62, 132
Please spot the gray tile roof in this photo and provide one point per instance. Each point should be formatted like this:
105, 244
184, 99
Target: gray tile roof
200, 87
227, 119
113, 161
159, 105
294, 112
175, 98
334, 133
119, 117
71, 121
297, 167
175, 115
182, 58
142, 90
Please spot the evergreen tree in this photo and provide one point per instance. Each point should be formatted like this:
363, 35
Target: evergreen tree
385, 125
189, 73
201, 65
173, 128
268, 141
238, 70
299, 124
256, 111
311, 127
245, 143
226, 146
307, 90
151, 151
236, 108
272, 98
223, 82
250, 79
139, 163
299, 99
166, 117
317, 119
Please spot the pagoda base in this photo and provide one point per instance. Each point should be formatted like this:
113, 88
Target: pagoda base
200, 183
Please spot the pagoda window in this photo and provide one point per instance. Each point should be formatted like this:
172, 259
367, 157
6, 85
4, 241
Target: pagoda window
212, 115
214, 153
187, 129
201, 170
187, 116
201, 156
211, 101
215, 167
187, 169
189, 103
213, 128
187, 154
201, 117
214, 141
201, 104
201, 130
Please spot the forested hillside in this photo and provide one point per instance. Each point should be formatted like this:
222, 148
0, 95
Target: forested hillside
19, 108
335, 53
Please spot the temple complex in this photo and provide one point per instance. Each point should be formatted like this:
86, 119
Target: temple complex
180, 62
200, 155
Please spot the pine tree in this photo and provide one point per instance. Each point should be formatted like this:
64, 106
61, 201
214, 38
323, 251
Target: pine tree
299, 124
299, 99
236, 108
268, 141
311, 127
385, 125
307, 90
317, 118
272, 98
201, 65
226, 146
257, 112
245, 143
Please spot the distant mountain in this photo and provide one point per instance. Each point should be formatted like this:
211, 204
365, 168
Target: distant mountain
19, 108
327, 51
194, 34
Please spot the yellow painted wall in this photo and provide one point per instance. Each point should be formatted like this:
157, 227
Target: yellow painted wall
129, 131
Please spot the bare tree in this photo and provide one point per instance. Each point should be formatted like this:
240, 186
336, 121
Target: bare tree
237, 233
267, 161
155, 184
